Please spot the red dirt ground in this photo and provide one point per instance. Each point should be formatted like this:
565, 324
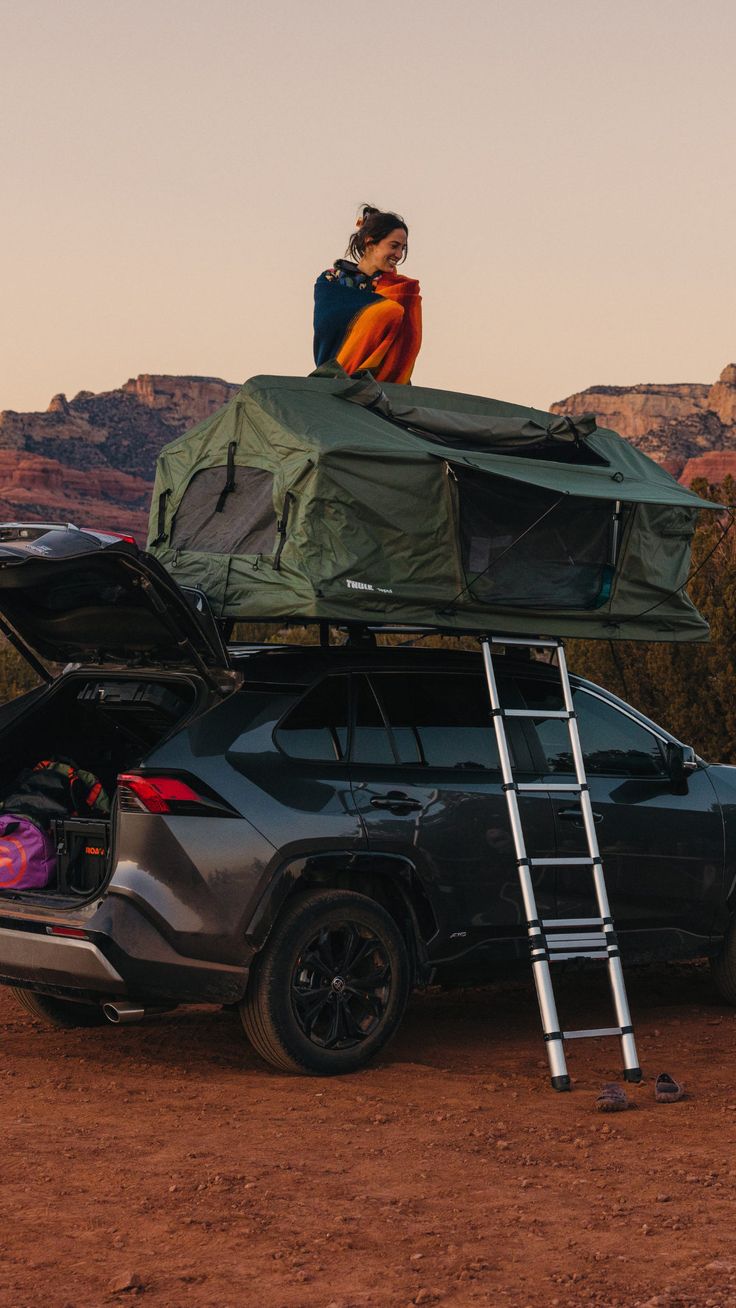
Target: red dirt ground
163, 1164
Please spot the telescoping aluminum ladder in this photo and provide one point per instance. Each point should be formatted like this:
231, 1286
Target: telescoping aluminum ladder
554, 940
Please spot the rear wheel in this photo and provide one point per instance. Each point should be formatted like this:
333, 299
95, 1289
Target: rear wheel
64, 1013
330, 987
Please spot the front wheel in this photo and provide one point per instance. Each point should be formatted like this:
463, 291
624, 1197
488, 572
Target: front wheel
64, 1013
723, 967
330, 987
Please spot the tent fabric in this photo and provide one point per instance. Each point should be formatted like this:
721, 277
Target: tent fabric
502, 432
528, 524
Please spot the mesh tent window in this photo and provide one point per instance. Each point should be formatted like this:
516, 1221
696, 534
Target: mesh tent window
227, 513
526, 546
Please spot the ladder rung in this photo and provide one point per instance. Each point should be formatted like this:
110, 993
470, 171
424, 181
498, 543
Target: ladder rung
596, 1031
552, 923
523, 640
588, 940
561, 862
544, 785
598, 955
535, 713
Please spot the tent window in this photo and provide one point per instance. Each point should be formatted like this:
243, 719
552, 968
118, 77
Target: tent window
245, 522
533, 547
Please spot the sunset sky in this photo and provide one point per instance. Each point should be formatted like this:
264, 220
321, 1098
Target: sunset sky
175, 173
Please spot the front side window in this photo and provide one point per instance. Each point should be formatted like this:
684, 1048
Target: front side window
613, 744
438, 720
317, 727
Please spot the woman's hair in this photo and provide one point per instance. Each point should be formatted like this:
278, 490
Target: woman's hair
373, 225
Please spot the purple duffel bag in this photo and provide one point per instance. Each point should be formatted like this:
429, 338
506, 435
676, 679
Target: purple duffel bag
27, 854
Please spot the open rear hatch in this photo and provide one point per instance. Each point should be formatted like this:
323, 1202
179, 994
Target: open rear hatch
72, 595
69, 596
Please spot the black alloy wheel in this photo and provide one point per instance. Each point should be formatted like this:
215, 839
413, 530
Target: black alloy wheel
330, 987
341, 985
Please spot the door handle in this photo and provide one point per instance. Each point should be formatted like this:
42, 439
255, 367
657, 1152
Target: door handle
576, 815
396, 801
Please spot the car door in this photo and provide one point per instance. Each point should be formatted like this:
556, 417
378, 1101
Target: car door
303, 799
427, 784
662, 851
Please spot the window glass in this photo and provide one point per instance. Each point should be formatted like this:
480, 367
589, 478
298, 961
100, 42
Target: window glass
371, 741
317, 728
441, 720
613, 744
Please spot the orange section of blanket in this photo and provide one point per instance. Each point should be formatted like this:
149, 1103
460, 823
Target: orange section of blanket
385, 337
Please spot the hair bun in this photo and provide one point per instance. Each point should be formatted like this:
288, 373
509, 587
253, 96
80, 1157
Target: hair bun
365, 211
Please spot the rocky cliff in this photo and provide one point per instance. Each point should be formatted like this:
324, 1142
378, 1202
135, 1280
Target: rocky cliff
690, 428
91, 460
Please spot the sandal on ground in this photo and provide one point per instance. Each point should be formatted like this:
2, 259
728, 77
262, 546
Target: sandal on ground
612, 1099
667, 1090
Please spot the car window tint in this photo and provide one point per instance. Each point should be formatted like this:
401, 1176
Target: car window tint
317, 727
613, 744
371, 740
440, 720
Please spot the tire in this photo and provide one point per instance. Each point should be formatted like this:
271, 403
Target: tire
297, 1016
723, 966
63, 1013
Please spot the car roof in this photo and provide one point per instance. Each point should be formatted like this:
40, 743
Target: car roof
294, 667
302, 664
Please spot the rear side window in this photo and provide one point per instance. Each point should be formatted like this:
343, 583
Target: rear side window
613, 744
372, 742
438, 720
317, 727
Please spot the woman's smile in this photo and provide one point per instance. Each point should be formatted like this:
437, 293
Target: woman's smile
383, 256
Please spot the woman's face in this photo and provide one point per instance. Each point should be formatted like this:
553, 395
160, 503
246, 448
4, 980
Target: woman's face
383, 256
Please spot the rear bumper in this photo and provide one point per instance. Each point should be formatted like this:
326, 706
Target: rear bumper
124, 955
36, 959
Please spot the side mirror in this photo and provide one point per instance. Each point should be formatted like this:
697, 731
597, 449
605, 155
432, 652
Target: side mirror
681, 761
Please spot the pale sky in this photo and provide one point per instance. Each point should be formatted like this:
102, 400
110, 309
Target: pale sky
175, 173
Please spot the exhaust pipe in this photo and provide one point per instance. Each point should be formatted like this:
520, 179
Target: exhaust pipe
121, 1012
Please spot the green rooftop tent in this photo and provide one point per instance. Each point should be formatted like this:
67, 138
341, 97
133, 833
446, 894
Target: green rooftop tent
330, 497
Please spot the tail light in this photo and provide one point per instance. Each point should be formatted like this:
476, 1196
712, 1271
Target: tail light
153, 793
116, 535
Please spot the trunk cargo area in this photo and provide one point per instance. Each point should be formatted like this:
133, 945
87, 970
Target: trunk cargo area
105, 724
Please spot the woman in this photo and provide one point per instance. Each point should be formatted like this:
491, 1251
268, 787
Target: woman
366, 315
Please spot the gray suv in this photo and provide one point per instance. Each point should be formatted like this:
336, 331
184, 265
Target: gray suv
306, 832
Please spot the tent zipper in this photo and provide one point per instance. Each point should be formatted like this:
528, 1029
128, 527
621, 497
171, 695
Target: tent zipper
161, 521
281, 529
230, 477
454, 517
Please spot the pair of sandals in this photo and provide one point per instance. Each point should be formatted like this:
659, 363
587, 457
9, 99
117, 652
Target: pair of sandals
613, 1098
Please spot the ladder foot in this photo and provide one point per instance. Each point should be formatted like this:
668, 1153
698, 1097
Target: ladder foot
633, 1074
560, 1082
